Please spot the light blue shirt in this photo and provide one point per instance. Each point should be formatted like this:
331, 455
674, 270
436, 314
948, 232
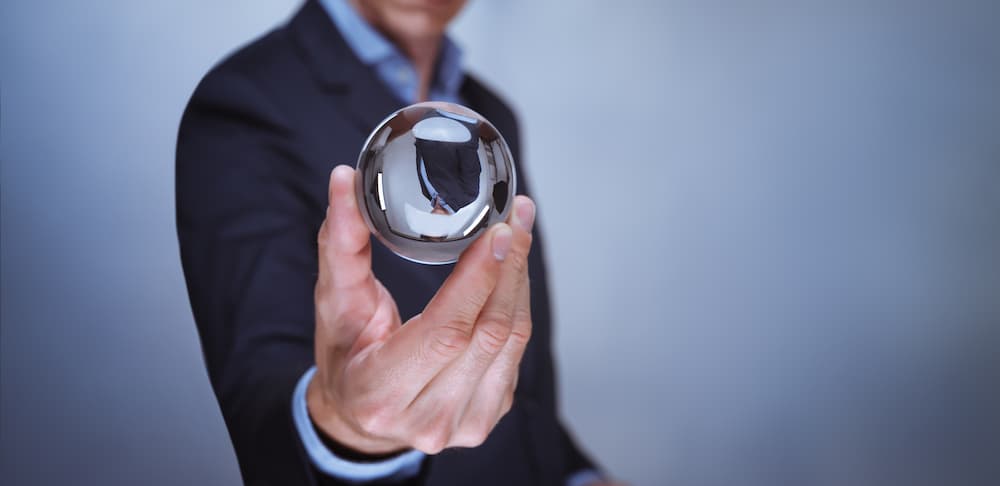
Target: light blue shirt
399, 75
391, 66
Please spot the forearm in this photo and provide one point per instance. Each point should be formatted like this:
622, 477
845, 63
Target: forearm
254, 396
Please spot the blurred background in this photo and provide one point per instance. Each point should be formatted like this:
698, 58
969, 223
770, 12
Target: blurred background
773, 231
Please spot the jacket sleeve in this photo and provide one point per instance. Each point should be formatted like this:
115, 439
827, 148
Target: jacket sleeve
247, 218
576, 460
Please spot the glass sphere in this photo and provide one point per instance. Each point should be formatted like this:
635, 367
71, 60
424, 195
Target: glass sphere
431, 178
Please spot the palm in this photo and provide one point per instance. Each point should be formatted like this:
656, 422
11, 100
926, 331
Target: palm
446, 377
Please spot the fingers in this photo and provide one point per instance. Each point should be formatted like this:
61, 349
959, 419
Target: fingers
428, 342
463, 294
499, 315
472, 295
435, 365
494, 393
506, 309
346, 290
504, 370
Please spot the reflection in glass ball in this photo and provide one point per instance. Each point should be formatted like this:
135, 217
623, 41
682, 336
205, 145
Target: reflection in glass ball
431, 178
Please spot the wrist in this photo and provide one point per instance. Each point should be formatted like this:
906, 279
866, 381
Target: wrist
338, 434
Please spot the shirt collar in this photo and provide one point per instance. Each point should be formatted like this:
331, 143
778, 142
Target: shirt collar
366, 42
372, 48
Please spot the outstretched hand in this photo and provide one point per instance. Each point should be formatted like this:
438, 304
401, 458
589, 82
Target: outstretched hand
446, 377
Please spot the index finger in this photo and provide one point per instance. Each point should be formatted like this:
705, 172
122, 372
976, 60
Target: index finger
428, 342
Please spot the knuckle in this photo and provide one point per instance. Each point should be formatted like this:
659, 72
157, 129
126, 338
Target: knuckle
519, 262
465, 314
432, 441
479, 437
479, 431
321, 235
352, 310
507, 403
323, 306
373, 420
492, 335
474, 303
521, 335
500, 314
472, 437
477, 291
449, 341
331, 310
481, 434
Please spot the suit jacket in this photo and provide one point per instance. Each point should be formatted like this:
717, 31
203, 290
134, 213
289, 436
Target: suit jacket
257, 142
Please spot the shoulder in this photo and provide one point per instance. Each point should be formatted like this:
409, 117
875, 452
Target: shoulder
243, 77
491, 105
486, 100
233, 110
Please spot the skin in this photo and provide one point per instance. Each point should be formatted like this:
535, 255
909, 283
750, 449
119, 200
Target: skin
446, 377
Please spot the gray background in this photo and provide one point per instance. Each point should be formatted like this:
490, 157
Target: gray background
774, 232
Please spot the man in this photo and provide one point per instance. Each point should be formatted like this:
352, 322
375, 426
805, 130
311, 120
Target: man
319, 379
452, 182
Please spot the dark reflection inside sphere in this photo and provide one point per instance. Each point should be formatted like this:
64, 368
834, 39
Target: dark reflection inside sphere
431, 178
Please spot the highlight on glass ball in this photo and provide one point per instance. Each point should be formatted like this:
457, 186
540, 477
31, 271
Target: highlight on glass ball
431, 178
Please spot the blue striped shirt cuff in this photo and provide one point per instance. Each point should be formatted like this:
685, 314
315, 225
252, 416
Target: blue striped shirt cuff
400, 467
584, 477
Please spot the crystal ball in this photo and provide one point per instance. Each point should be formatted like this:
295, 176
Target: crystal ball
431, 178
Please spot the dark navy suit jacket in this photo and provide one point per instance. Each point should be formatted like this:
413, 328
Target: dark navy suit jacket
256, 146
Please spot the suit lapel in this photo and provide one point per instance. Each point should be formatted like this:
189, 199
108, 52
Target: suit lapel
363, 97
359, 90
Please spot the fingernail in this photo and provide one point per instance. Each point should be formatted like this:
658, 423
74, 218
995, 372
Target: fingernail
502, 239
525, 215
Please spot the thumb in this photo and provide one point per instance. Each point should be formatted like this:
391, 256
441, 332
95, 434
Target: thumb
346, 290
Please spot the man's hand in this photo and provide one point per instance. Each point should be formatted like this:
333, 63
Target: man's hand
445, 378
